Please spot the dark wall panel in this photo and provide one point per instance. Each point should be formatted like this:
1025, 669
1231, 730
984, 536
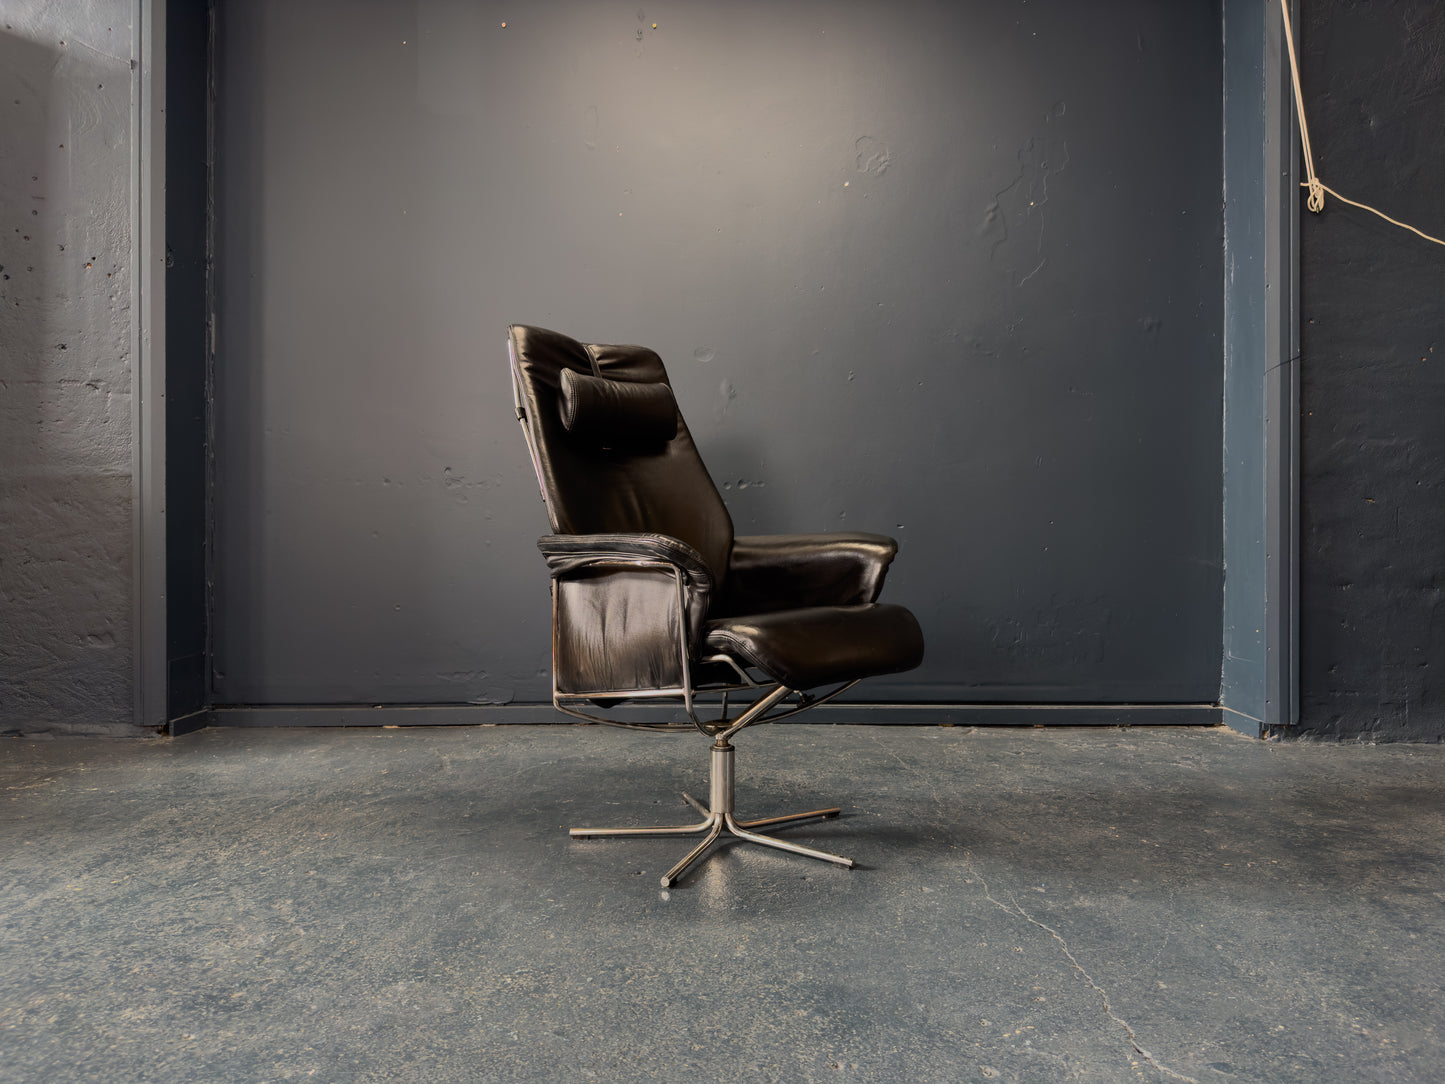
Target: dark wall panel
950, 271
1372, 565
186, 352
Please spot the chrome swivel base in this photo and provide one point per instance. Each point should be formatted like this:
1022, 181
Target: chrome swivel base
718, 819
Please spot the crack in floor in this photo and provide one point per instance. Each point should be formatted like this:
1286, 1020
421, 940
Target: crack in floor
913, 770
1013, 908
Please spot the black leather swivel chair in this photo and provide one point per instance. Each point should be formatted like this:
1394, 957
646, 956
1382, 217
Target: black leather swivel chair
653, 597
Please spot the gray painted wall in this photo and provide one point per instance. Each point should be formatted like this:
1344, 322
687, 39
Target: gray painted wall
951, 272
187, 355
1373, 344
66, 639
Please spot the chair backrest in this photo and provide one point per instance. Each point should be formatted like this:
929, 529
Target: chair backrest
656, 486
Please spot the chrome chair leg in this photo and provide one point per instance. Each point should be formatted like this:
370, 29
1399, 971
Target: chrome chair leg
670, 877
718, 818
791, 818
664, 830
783, 845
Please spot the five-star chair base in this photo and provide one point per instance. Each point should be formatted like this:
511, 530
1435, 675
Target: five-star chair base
718, 820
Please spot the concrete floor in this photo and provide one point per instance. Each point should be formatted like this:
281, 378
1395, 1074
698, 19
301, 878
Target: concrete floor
1032, 905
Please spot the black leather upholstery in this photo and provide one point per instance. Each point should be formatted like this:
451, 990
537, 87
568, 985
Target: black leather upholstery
651, 489
567, 554
785, 571
641, 536
822, 645
614, 412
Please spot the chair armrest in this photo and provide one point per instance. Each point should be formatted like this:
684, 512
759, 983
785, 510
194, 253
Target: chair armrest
567, 554
767, 573
566, 551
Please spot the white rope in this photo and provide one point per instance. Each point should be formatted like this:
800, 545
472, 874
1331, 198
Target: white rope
1317, 188
1364, 207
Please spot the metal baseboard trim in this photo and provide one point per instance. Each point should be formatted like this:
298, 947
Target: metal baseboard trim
865, 713
390, 715
1021, 714
188, 724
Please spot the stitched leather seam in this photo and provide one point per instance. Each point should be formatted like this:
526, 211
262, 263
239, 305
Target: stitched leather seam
568, 402
592, 357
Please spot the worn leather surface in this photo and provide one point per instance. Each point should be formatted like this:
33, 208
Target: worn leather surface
567, 554
822, 645
612, 412
617, 630
800, 608
788, 571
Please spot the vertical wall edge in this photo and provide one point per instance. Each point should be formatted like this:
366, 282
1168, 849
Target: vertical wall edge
148, 257
1282, 199
1258, 654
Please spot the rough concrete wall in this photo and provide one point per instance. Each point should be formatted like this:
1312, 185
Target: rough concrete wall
66, 642
1372, 661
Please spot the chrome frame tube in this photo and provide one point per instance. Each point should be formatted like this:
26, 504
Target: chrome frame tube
710, 728
748, 682
656, 728
756, 710
811, 702
671, 876
661, 830
784, 845
521, 412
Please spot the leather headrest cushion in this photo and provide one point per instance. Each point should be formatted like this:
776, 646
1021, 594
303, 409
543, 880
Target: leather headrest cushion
616, 411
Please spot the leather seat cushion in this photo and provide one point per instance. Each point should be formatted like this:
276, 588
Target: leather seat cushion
821, 645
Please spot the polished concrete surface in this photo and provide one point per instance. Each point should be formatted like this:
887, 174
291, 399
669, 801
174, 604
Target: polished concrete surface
1165, 904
